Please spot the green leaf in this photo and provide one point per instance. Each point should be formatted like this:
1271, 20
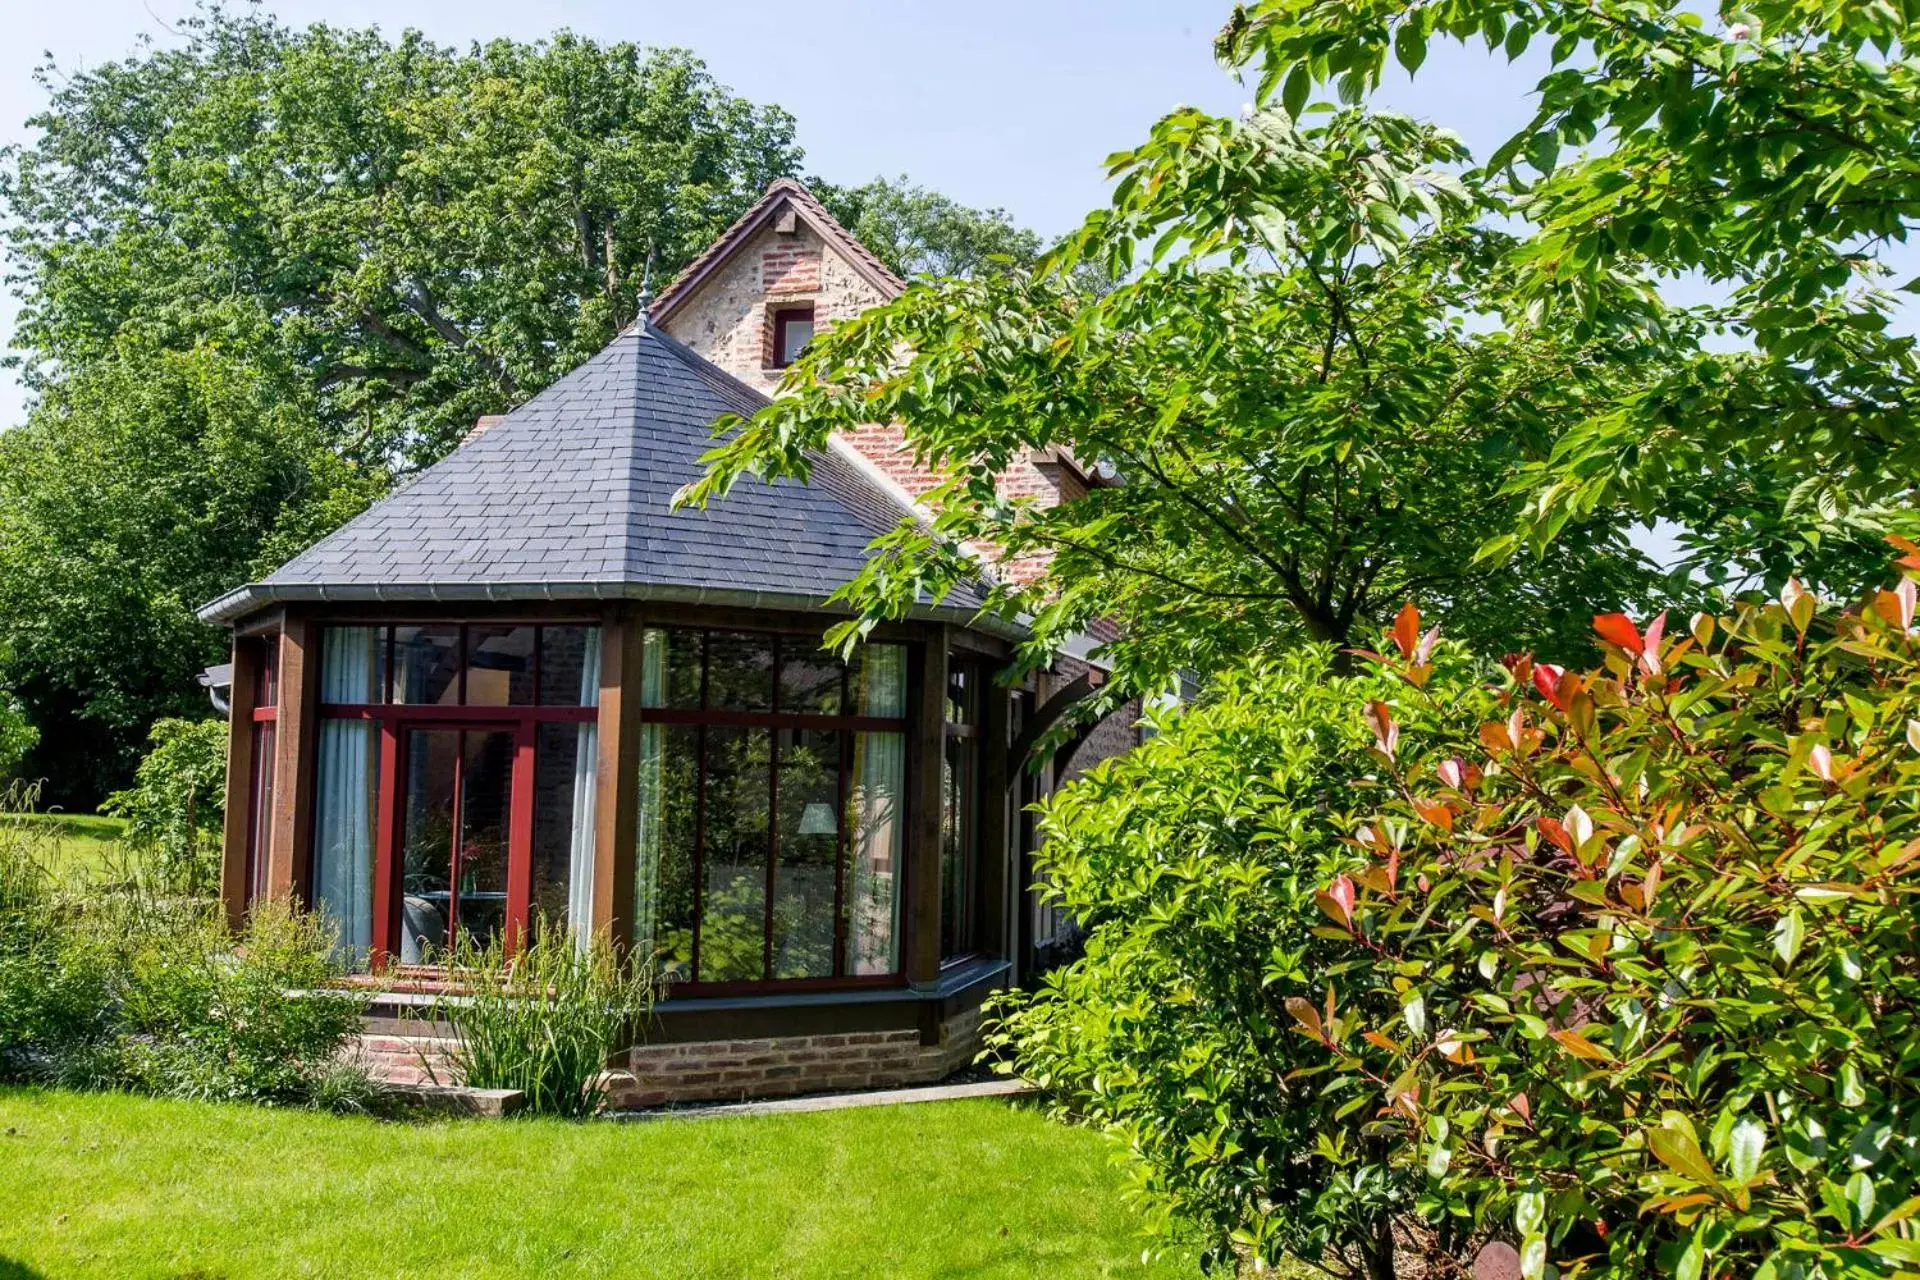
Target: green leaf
1409, 45
1789, 932
1860, 1199
1676, 1147
1748, 1142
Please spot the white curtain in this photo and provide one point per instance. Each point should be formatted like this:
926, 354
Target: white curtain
648, 841
586, 773
879, 782
349, 765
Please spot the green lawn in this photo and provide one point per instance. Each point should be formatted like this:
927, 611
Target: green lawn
76, 841
108, 1185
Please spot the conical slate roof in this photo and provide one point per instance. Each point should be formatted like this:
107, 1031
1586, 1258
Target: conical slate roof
569, 497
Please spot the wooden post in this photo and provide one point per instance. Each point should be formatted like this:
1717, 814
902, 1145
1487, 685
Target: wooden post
927, 740
999, 882
237, 829
291, 843
616, 799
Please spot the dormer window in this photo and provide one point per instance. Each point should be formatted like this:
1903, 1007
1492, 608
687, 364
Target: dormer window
792, 331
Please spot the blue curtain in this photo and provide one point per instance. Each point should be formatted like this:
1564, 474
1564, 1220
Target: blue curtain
349, 772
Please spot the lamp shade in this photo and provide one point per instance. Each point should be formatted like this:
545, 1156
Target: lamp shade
817, 820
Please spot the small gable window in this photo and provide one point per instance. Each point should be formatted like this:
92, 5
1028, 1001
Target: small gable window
792, 331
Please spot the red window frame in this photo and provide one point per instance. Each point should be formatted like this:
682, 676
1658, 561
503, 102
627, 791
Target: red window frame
782, 317
396, 719
773, 721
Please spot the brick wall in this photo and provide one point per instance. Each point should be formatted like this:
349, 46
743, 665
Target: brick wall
729, 1070
729, 319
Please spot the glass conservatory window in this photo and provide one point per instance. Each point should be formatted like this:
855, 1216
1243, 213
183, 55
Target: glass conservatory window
770, 832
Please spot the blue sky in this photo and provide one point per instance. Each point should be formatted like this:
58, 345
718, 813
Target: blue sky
993, 102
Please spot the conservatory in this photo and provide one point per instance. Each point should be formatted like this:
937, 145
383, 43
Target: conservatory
523, 693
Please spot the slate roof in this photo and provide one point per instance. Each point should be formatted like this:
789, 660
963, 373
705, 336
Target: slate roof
781, 194
569, 497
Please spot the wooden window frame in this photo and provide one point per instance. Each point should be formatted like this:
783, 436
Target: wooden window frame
783, 315
396, 719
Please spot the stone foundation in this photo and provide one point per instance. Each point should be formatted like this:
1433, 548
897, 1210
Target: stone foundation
728, 1070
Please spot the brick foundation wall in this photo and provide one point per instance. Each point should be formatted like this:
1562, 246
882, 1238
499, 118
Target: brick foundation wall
728, 1070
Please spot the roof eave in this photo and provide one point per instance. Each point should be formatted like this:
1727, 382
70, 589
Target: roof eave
237, 604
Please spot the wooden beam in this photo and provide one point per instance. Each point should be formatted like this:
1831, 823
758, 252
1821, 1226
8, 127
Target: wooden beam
237, 828
1050, 712
291, 846
617, 781
926, 749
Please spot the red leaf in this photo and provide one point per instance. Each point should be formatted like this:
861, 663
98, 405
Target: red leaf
1341, 891
1553, 831
1427, 641
1308, 1017
1406, 629
1521, 1107
1386, 734
1618, 630
1546, 678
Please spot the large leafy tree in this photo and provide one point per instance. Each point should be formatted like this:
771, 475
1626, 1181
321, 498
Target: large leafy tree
918, 232
143, 485
1766, 148
421, 235
1309, 390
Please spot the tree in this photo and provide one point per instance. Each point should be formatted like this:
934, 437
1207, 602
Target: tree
422, 235
918, 232
143, 485
1773, 157
1302, 388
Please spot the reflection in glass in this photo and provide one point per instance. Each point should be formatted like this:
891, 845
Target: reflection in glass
874, 819
958, 805
568, 657
500, 666
679, 656
805, 877
809, 678
739, 671
260, 830
733, 917
426, 665
486, 795
669, 825
426, 843
564, 769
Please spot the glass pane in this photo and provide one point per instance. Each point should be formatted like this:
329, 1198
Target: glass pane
426, 843
962, 696
266, 689
500, 666
563, 780
352, 665
878, 680
486, 796
669, 819
809, 678
570, 666
344, 809
874, 818
733, 915
682, 659
804, 879
957, 810
739, 671
426, 665
796, 331
259, 835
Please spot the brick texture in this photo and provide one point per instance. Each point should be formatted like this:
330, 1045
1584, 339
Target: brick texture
728, 1070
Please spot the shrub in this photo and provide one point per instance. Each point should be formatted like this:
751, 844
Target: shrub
53, 994
116, 985
1192, 862
204, 1015
1631, 973
544, 1020
174, 808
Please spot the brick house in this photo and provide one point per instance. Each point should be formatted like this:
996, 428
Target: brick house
522, 688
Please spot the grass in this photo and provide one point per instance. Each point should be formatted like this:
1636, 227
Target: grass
110, 1185
77, 842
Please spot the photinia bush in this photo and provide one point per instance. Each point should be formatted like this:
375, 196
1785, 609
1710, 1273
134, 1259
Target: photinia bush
1629, 974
